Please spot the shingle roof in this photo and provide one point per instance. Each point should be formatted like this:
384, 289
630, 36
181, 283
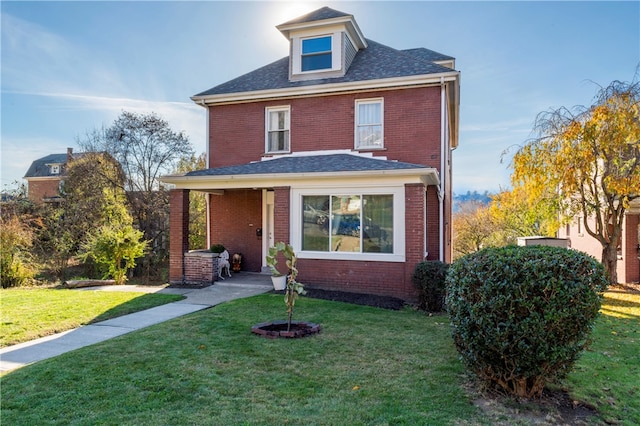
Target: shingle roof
428, 55
375, 62
39, 167
331, 163
317, 15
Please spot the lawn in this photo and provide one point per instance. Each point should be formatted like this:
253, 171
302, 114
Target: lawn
29, 313
369, 366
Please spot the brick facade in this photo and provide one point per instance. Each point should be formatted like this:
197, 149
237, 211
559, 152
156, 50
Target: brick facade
235, 216
411, 126
41, 189
629, 265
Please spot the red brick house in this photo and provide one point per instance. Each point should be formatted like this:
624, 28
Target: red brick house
343, 149
46, 175
628, 251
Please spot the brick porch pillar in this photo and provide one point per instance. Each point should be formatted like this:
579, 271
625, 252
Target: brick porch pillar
281, 213
178, 233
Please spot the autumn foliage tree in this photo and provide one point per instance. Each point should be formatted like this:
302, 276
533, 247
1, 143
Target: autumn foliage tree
590, 156
146, 147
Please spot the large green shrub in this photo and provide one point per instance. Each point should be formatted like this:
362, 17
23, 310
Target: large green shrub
15, 242
114, 249
429, 278
522, 315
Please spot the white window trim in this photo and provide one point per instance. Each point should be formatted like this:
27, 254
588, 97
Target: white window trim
295, 217
267, 111
359, 102
336, 54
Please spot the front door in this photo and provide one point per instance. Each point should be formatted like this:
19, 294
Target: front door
268, 239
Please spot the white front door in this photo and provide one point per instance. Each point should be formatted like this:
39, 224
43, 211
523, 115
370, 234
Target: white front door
268, 238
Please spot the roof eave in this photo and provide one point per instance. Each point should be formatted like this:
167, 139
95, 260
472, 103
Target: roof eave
428, 176
330, 88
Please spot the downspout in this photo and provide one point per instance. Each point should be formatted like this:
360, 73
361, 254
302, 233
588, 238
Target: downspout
443, 174
206, 164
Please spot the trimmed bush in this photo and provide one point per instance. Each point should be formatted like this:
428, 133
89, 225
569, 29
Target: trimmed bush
429, 278
522, 315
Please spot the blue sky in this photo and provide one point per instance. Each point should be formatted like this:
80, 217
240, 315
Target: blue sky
71, 67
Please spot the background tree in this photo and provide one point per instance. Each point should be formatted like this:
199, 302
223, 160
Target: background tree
15, 241
591, 155
520, 213
472, 228
146, 148
92, 197
197, 202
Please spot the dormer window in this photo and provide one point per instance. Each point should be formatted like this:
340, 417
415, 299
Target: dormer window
55, 169
323, 44
316, 53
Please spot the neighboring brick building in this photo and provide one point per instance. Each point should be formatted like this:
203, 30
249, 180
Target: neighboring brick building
343, 148
628, 251
46, 176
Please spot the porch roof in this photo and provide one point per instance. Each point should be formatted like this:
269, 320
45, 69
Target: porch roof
288, 169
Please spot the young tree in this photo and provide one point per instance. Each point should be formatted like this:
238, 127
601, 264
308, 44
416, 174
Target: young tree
114, 248
591, 157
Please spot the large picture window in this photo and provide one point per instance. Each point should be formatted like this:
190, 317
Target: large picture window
316, 53
277, 129
369, 124
353, 223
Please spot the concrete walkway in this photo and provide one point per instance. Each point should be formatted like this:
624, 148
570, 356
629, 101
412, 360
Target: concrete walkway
243, 284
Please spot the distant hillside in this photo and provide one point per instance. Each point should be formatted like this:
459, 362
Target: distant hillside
482, 198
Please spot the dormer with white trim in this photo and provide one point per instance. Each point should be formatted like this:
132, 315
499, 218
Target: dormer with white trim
322, 44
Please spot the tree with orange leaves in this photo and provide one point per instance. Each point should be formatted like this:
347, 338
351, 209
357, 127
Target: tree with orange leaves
590, 156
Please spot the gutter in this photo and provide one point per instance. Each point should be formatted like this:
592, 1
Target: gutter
302, 91
443, 174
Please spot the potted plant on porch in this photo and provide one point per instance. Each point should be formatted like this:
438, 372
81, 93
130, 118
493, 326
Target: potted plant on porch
278, 279
292, 289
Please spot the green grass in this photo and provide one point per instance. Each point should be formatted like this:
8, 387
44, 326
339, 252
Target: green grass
368, 367
608, 374
27, 314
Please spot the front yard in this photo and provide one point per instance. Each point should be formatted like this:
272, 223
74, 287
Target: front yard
368, 366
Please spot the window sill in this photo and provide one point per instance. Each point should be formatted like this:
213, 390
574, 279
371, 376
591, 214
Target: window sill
363, 257
373, 148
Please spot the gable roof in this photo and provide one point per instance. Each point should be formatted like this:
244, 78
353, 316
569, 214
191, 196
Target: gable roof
373, 63
428, 54
40, 168
317, 15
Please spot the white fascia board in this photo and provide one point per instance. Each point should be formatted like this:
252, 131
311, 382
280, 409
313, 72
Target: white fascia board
344, 21
324, 89
426, 176
35, 178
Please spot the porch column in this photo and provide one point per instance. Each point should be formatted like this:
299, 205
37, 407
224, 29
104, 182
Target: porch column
281, 197
178, 233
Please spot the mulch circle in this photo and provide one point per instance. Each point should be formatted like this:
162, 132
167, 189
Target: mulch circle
275, 329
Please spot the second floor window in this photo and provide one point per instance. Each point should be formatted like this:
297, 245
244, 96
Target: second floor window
316, 53
277, 127
369, 125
